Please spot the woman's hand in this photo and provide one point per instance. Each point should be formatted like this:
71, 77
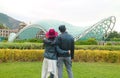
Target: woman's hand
69, 52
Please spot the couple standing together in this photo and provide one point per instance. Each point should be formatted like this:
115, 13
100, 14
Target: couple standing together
59, 50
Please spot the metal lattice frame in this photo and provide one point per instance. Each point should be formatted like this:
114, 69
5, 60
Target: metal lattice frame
99, 30
34, 26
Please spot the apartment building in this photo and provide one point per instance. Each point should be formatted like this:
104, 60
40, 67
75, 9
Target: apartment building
6, 32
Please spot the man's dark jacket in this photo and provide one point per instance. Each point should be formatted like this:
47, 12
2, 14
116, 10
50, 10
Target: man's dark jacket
66, 42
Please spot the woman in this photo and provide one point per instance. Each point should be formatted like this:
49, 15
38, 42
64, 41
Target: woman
50, 54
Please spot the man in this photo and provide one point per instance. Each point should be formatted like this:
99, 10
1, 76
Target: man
65, 42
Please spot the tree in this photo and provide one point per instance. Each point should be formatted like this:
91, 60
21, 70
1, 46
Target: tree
3, 27
113, 35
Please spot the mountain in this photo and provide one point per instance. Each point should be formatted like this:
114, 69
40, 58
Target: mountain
9, 21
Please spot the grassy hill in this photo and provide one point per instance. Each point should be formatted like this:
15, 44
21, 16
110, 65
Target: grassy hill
9, 21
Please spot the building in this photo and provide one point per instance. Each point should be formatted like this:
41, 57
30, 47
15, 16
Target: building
6, 32
99, 31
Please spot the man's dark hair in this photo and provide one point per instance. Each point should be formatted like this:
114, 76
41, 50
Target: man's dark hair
62, 28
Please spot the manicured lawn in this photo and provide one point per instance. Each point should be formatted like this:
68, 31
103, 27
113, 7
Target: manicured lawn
80, 70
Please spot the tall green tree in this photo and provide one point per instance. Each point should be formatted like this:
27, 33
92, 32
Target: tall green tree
113, 35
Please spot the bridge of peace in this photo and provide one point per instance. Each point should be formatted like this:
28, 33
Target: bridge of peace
99, 30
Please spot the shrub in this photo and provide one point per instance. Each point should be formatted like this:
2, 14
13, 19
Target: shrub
35, 40
97, 56
7, 55
21, 46
90, 41
98, 47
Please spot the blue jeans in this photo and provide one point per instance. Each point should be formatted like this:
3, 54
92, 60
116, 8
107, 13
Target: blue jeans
68, 64
51, 75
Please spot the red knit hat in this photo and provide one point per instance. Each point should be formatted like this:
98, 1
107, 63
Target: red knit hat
51, 33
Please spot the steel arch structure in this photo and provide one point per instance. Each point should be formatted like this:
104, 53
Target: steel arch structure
99, 30
44, 26
30, 34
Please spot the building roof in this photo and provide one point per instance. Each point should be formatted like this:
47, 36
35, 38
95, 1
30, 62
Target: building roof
98, 30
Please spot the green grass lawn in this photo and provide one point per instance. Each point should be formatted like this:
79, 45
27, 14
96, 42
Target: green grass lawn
80, 70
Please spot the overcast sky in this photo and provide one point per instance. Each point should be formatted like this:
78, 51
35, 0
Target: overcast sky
75, 12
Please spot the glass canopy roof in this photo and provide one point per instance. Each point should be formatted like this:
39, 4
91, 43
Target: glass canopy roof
97, 31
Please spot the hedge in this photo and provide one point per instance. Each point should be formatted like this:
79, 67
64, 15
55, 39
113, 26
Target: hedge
97, 56
40, 46
12, 55
98, 47
21, 46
